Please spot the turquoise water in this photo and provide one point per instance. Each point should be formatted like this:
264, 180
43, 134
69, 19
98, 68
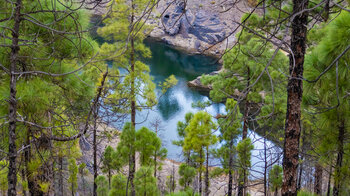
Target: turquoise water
174, 104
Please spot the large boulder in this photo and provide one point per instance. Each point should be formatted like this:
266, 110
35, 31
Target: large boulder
205, 26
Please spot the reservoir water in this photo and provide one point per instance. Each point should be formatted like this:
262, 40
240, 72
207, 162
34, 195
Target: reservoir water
174, 104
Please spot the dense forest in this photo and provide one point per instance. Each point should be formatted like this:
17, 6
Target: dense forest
175, 97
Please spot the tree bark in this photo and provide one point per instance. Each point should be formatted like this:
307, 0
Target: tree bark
200, 172
295, 92
338, 166
326, 11
133, 101
207, 174
33, 186
60, 181
12, 154
265, 165
318, 179
329, 179
94, 143
230, 165
155, 163
242, 185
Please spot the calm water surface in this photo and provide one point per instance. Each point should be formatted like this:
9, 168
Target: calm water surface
174, 104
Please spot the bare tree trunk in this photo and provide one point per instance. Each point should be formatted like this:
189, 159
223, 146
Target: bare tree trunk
326, 11
155, 164
338, 175
60, 181
265, 165
329, 179
230, 165
302, 149
12, 168
94, 143
295, 92
133, 101
200, 172
207, 174
242, 185
318, 179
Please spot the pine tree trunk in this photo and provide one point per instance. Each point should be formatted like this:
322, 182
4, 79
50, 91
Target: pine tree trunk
207, 174
12, 154
318, 179
200, 172
109, 179
133, 101
337, 175
326, 11
230, 165
302, 147
94, 143
265, 165
329, 178
60, 181
241, 186
155, 164
33, 186
295, 92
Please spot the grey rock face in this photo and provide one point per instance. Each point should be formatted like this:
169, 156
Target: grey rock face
207, 27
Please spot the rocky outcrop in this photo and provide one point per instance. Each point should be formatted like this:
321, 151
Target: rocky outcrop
198, 85
205, 26
198, 26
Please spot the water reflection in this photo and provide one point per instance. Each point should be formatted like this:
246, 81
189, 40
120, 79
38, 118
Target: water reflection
174, 104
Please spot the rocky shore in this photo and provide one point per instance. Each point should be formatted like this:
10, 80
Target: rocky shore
199, 26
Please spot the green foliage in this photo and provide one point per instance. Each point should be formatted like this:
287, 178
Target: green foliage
145, 182
244, 149
216, 172
306, 193
255, 68
73, 175
147, 143
117, 29
170, 183
198, 132
118, 187
126, 145
107, 161
328, 95
181, 126
275, 177
102, 186
187, 174
168, 83
3, 175
188, 192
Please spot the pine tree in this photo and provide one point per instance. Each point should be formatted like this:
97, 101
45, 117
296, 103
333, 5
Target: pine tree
275, 178
145, 182
187, 174
102, 186
333, 84
118, 186
45, 95
73, 176
181, 126
107, 161
198, 138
